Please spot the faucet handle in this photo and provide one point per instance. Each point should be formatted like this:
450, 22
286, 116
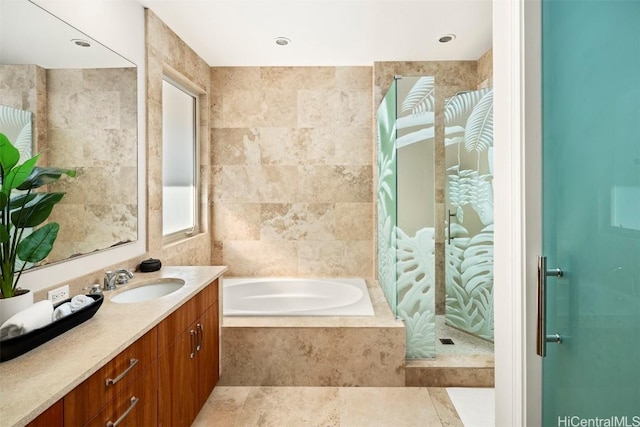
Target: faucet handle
94, 289
107, 278
123, 278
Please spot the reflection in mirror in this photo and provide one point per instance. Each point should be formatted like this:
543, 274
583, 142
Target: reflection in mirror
83, 103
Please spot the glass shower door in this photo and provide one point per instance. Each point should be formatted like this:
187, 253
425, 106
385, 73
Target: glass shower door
406, 245
591, 212
469, 217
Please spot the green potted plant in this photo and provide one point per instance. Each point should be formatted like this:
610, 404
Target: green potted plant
21, 210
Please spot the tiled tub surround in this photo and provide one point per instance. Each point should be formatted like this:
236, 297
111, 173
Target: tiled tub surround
292, 176
39, 378
315, 351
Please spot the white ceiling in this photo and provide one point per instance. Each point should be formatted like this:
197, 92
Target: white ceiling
31, 35
328, 32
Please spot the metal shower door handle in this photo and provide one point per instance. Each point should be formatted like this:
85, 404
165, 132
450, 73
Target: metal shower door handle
449, 238
541, 332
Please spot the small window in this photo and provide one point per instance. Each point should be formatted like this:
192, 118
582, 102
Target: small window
180, 161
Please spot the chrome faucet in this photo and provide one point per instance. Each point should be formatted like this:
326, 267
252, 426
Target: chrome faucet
118, 277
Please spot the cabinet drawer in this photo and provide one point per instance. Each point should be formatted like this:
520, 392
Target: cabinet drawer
136, 405
86, 400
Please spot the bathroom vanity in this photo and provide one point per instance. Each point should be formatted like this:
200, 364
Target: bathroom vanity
146, 363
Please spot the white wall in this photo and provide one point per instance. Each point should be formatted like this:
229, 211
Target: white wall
119, 25
517, 138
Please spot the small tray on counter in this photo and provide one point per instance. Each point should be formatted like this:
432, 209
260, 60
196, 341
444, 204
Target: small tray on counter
16, 346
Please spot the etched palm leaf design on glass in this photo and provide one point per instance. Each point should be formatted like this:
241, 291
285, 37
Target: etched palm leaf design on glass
406, 260
416, 291
469, 191
415, 243
386, 203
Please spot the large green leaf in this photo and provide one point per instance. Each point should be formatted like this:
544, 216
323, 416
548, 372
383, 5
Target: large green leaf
18, 174
9, 155
36, 246
36, 211
43, 176
23, 199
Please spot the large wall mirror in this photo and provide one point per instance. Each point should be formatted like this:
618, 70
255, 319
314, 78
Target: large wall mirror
83, 101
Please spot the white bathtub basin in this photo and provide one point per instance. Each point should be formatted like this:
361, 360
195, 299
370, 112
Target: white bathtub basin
148, 291
296, 297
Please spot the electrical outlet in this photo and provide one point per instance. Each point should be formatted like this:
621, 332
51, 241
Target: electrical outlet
59, 294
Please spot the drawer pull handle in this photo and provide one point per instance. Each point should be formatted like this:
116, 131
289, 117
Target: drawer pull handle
134, 402
200, 336
132, 362
193, 337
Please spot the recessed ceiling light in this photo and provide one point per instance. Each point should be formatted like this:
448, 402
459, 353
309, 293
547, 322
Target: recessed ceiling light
282, 41
447, 38
81, 43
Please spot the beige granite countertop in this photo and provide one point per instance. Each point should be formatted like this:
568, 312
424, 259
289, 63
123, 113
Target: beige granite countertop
31, 383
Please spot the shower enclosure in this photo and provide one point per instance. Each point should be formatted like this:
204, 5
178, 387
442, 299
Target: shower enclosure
410, 125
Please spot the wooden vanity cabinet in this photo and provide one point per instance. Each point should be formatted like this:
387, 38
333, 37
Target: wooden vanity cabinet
164, 378
208, 366
135, 406
54, 416
110, 382
188, 358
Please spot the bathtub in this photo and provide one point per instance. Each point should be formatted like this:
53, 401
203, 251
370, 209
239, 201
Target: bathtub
295, 297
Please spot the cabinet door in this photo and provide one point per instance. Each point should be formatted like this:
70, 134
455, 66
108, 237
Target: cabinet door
207, 327
177, 381
174, 325
136, 405
52, 417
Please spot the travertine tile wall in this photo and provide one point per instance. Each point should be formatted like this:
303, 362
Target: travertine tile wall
292, 170
451, 77
167, 53
485, 70
25, 87
92, 128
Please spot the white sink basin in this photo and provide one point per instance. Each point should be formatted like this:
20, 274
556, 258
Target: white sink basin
144, 292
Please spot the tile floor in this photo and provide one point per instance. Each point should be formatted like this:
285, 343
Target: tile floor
464, 343
328, 406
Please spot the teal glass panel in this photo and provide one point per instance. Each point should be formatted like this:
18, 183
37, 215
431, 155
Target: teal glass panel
591, 215
387, 198
468, 142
